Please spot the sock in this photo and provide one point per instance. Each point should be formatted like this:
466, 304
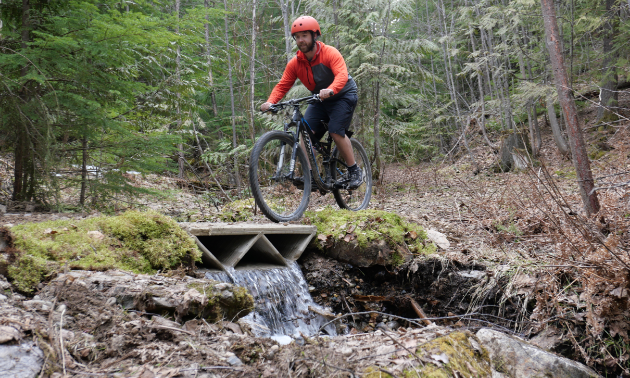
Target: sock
353, 167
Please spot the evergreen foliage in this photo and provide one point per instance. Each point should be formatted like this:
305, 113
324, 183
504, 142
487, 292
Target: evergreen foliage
90, 90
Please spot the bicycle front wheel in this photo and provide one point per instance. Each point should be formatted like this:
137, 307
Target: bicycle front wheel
359, 198
281, 193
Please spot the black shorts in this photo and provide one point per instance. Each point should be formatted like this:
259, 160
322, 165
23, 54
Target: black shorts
337, 113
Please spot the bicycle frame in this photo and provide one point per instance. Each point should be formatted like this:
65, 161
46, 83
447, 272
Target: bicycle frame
324, 148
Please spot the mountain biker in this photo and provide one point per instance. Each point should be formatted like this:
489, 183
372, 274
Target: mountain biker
323, 71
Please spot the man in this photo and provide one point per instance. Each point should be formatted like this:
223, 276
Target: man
323, 71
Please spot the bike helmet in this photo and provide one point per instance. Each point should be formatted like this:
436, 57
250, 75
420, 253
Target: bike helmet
305, 23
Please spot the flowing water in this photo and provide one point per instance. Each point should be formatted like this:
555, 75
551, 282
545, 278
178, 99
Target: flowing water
282, 301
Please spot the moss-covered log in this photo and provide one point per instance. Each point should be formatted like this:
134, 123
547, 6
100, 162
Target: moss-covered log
139, 242
368, 237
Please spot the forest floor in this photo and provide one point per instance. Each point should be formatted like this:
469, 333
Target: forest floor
523, 255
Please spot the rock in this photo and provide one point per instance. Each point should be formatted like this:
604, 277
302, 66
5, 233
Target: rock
8, 334
4, 285
96, 235
158, 320
232, 327
516, 358
548, 339
182, 297
376, 253
38, 305
438, 238
476, 274
21, 361
393, 325
3, 298
233, 360
3, 209
222, 286
226, 295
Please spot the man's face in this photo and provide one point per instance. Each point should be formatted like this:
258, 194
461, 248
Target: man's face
304, 41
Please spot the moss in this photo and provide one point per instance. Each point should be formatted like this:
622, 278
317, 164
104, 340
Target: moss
216, 309
238, 211
596, 154
373, 372
462, 358
140, 242
371, 226
244, 301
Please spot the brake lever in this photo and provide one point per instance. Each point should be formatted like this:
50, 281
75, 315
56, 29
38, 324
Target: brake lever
271, 109
314, 99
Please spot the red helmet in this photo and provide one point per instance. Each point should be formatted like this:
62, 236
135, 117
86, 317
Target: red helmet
305, 23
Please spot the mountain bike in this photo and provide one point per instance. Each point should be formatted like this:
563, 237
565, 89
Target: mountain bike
279, 174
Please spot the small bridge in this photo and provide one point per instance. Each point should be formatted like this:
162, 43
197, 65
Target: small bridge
249, 245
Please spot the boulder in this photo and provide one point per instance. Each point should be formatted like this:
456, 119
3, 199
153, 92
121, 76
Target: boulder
23, 360
515, 358
368, 237
438, 238
183, 297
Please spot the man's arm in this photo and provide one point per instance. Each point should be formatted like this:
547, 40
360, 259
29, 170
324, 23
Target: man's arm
339, 69
288, 79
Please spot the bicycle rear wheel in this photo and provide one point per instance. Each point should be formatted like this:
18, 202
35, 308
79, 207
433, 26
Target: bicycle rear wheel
359, 198
274, 188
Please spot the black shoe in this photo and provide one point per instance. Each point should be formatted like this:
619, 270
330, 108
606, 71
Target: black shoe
355, 179
299, 183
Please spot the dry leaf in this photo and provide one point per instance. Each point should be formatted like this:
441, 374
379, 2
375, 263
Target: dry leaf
411, 234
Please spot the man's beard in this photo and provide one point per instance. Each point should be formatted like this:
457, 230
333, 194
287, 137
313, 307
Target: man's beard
309, 48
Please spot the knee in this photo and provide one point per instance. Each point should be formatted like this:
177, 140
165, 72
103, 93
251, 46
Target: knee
337, 137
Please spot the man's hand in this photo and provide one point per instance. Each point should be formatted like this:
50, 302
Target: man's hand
264, 107
325, 93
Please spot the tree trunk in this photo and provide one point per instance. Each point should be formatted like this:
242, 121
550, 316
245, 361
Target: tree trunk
23, 142
561, 143
608, 95
377, 144
482, 100
538, 138
252, 73
336, 19
237, 179
84, 145
528, 106
180, 146
580, 158
284, 7
448, 66
209, 56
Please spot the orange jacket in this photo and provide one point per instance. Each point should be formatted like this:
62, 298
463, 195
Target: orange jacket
327, 69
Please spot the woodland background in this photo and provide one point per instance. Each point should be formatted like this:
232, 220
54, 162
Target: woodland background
90, 90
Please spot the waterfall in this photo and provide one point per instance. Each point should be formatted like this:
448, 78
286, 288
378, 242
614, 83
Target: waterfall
281, 300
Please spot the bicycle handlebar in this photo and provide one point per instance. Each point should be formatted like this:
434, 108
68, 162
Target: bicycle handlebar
292, 102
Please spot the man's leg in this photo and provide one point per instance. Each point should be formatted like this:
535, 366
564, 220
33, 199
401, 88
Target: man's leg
340, 112
345, 148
